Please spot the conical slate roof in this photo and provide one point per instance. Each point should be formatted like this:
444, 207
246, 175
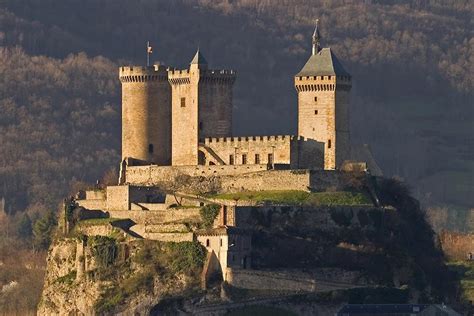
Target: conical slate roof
323, 63
199, 59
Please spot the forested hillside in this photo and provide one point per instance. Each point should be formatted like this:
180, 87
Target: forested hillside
412, 64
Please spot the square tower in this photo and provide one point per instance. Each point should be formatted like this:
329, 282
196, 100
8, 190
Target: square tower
201, 107
323, 88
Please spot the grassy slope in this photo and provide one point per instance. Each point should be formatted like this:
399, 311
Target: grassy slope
299, 197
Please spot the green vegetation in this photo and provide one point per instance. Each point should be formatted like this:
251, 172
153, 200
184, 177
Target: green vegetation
465, 273
208, 214
97, 221
42, 230
104, 249
157, 260
299, 197
67, 279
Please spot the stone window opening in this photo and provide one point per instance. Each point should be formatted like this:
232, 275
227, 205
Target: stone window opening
150, 148
315, 99
231, 159
183, 102
270, 159
221, 242
329, 143
208, 244
257, 159
315, 112
244, 159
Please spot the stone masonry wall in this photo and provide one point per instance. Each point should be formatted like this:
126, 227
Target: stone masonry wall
248, 148
270, 280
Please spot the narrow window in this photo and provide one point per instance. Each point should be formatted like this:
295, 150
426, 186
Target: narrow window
270, 159
329, 77
315, 112
221, 242
207, 243
231, 159
257, 159
315, 99
244, 159
200, 126
329, 143
150, 148
183, 102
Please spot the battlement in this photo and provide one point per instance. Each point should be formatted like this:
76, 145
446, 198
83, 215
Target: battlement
143, 74
236, 140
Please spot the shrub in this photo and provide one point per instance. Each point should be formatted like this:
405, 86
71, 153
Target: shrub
186, 256
104, 250
208, 214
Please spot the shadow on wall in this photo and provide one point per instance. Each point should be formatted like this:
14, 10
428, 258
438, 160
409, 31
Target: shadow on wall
309, 154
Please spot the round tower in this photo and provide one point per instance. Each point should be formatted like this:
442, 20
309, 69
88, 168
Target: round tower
146, 114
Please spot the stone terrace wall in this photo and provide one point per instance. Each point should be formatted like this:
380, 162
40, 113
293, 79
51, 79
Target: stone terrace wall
303, 180
270, 280
243, 177
457, 245
149, 175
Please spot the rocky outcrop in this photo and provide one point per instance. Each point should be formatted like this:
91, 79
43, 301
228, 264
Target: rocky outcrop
99, 275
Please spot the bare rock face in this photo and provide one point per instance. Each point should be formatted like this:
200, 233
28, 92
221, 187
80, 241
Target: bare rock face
99, 275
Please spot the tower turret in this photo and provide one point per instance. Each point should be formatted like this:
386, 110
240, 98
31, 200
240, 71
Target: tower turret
146, 114
323, 87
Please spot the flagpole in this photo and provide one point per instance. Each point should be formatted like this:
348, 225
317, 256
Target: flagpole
147, 54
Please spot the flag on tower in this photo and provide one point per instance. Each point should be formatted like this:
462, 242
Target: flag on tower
149, 50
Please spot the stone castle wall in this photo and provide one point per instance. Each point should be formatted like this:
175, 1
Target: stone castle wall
270, 280
240, 177
252, 150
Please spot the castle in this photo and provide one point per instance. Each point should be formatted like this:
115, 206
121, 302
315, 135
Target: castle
179, 122
176, 118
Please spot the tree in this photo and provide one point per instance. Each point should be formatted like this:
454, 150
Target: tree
25, 228
42, 230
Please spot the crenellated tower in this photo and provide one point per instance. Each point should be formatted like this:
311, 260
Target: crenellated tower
201, 107
146, 114
323, 87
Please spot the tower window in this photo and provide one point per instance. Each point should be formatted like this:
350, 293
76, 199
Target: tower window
221, 242
329, 143
150, 148
315, 112
315, 99
329, 77
231, 159
244, 159
270, 159
200, 126
183, 102
257, 159
208, 243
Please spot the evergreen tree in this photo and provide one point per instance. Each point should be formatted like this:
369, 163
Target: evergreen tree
25, 228
42, 230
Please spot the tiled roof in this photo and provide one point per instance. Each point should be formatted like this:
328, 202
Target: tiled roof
323, 63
